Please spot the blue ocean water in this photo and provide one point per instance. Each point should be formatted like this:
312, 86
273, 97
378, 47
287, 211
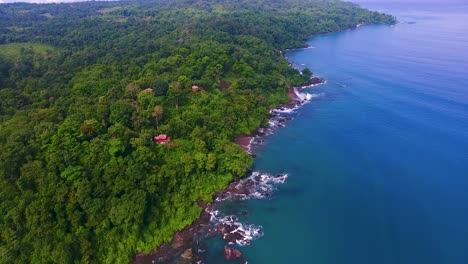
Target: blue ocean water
378, 161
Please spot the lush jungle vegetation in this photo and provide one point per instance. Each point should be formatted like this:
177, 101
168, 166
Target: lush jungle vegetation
81, 180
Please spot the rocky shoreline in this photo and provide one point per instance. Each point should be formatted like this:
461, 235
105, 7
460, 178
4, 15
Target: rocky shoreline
187, 246
313, 82
179, 246
301, 47
276, 119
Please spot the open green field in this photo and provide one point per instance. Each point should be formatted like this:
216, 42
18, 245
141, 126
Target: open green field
12, 51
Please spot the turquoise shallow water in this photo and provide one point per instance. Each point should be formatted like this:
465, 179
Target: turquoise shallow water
378, 162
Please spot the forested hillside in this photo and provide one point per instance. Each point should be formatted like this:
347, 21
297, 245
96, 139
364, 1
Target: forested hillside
81, 178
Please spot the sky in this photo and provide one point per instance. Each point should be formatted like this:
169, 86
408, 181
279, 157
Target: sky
44, 1
32, 1
408, 1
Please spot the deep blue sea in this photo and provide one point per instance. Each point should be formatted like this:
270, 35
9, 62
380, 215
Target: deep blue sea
378, 160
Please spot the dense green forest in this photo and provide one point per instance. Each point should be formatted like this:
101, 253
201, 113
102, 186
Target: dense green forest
81, 179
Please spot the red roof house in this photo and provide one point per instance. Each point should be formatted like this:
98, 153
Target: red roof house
162, 139
149, 90
195, 88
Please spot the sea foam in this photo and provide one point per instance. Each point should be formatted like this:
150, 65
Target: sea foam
257, 186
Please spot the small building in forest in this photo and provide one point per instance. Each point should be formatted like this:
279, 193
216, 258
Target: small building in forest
196, 88
162, 139
149, 90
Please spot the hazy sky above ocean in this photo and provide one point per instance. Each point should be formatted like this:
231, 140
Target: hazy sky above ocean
46, 1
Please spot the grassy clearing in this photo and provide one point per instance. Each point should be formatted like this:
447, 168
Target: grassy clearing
12, 51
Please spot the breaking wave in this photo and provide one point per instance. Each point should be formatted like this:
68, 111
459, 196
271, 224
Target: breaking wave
230, 227
233, 231
257, 186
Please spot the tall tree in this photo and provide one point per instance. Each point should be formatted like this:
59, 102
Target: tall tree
157, 114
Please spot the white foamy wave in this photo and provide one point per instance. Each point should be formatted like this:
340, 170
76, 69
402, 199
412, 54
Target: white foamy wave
317, 95
276, 122
284, 110
249, 233
213, 215
313, 85
277, 179
257, 186
263, 184
249, 146
302, 48
233, 231
304, 96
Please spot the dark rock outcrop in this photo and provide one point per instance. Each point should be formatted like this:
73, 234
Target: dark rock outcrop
232, 253
188, 254
313, 81
181, 243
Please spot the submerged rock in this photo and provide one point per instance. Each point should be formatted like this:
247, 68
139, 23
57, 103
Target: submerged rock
187, 254
232, 253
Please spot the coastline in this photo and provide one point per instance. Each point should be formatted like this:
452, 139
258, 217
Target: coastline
244, 141
180, 247
253, 184
296, 100
187, 246
179, 244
